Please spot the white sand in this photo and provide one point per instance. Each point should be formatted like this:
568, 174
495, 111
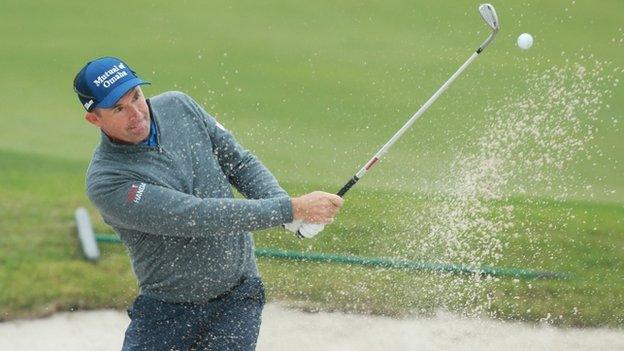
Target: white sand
286, 329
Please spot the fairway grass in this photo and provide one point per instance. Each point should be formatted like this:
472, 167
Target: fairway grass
44, 270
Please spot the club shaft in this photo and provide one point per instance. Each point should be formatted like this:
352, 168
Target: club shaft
362, 172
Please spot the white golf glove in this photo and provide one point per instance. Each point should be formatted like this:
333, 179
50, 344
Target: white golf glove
310, 230
304, 230
293, 226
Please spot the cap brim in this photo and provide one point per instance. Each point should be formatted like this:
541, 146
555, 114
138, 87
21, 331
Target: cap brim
117, 93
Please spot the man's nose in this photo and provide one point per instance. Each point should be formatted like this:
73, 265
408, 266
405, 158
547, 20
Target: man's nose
134, 112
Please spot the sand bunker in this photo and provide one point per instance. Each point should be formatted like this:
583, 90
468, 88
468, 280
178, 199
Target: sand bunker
287, 329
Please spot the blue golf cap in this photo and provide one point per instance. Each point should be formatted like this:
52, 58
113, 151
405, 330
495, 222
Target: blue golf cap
103, 81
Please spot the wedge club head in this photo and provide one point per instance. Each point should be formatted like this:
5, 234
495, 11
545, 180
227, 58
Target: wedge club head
491, 18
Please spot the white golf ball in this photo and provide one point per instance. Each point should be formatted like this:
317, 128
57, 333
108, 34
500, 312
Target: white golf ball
525, 41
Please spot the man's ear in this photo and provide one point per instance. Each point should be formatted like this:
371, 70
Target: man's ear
93, 118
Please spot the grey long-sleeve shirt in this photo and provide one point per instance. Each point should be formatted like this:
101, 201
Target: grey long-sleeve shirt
173, 205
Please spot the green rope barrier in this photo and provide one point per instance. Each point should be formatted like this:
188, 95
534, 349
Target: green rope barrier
388, 263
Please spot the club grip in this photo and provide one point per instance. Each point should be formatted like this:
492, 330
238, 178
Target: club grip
348, 186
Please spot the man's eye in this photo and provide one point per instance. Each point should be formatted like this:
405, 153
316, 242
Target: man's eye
118, 109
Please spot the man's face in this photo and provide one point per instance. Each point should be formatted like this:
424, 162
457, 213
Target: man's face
127, 121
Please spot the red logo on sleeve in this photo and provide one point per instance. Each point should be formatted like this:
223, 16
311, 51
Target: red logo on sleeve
136, 192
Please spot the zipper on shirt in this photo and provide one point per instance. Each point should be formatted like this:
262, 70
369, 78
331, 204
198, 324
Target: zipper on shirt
158, 147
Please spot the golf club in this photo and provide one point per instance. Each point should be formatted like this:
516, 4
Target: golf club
489, 16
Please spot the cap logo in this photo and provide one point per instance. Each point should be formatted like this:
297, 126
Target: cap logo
117, 72
88, 104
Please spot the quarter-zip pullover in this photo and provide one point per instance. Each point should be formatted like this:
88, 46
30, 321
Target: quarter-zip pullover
173, 206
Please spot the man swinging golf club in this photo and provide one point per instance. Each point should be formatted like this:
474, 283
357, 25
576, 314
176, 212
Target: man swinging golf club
162, 177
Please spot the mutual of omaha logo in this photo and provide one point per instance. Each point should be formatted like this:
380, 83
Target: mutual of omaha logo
111, 75
136, 192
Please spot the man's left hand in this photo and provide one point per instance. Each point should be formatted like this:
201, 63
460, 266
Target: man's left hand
303, 229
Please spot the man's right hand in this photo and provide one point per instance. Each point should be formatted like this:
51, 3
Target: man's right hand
316, 207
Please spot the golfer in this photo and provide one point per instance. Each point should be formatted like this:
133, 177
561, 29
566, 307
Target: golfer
162, 177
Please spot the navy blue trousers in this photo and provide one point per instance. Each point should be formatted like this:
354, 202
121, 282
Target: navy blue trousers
229, 322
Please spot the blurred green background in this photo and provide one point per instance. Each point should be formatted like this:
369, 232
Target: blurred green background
314, 89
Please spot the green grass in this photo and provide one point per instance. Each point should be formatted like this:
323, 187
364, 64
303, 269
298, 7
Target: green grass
314, 89
44, 270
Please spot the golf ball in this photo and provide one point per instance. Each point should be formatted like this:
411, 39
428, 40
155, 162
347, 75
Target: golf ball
525, 41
